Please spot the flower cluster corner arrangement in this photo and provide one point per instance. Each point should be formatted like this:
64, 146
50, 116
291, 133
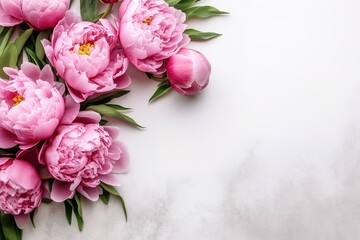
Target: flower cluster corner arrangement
58, 74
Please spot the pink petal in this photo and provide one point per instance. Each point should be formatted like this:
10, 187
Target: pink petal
72, 109
122, 165
109, 179
45, 130
113, 131
90, 193
20, 172
61, 191
123, 81
31, 70
88, 117
7, 139
21, 220
47, 75
6, 20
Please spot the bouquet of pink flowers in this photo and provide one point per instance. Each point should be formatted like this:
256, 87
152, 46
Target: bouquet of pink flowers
58, 75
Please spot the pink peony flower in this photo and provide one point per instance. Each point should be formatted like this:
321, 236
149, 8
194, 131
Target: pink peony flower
188, 71
40, 14
150, 32
31, 106
87, 56
81, 155
20, 187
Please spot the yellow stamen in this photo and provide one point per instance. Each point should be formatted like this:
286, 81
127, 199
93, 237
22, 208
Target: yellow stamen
17, 100
85, 49
148, 20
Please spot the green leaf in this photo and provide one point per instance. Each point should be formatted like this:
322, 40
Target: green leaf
172, 2
88, 10
118, 107
184, 4
80, 221
78, 203
197, 35
5, 39
32, 56
161, 90
21, 40
104, 98
75, 204
32, 218
105, 110
39, 49
112, 190
203, 12
9, 227
105, 197
68, 212
8, 59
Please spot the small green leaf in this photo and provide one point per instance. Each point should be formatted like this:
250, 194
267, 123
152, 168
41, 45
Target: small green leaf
68, 211
21, 40
161, 90
105, 110
32, 214
80, 221
118, 107
5, 39
197, 35
203, 12
172, 2
8, 59
184, 4
32, 56
9, 227
112, 190
105, 197
39, 49
88, 10
78, 202
104, 98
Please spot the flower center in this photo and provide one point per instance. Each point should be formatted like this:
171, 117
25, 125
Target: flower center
85, 48
148, 20
17, 100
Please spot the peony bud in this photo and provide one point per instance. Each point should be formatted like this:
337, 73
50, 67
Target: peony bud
188, 71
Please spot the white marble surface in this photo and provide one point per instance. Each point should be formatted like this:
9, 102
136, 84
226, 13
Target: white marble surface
271, 150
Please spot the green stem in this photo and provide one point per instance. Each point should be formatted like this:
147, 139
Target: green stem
108, 10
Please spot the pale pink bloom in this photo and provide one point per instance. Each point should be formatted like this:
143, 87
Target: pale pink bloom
31, 106
82, 155
40, 14
20, 187
188, 71
150, 32
87, 56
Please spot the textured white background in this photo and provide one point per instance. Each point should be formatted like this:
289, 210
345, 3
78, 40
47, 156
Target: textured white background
271, 149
